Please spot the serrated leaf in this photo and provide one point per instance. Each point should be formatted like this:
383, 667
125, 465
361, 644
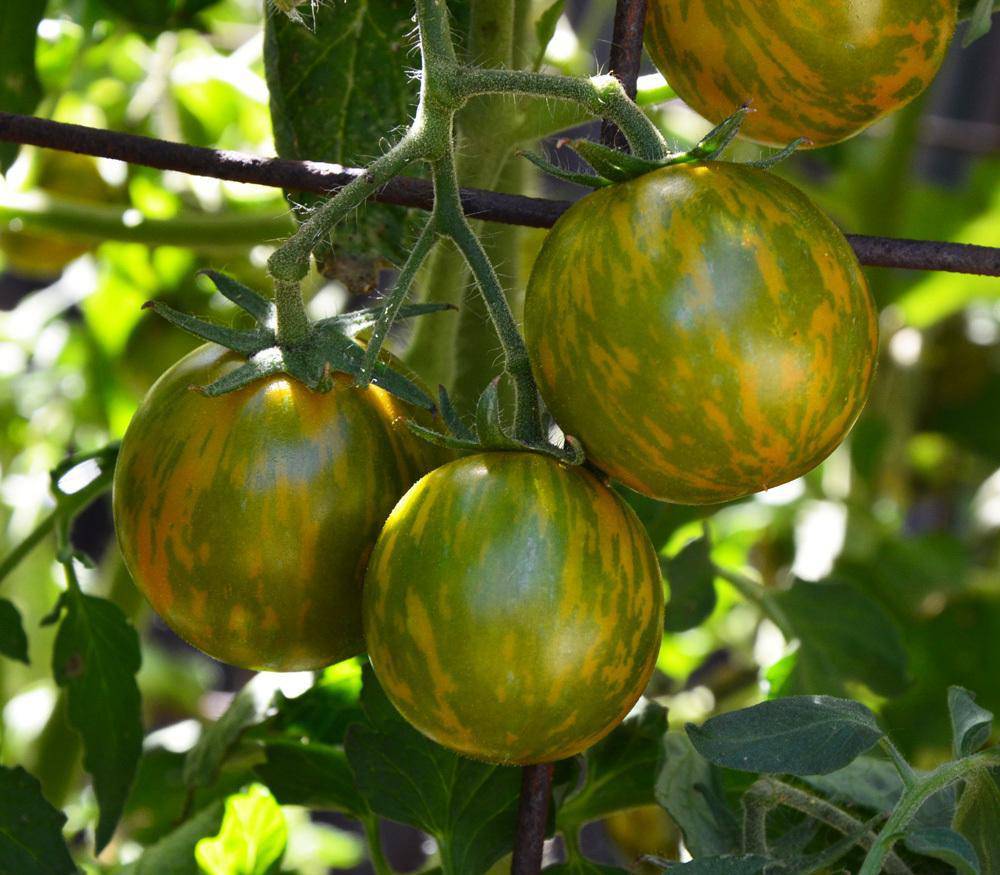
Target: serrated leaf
978, 818
691, 576
337, 86
469, 807
800, 735
844, 636
947, 845
690, 789
314, 775
251, 840
247, 708
13, 640
747, 865
620, 770
95, 657
174, 853
971, 725
20, 89
980, 15
31, 839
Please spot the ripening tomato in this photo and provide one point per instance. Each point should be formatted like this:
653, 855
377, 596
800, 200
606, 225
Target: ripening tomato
703, 330
513, 607
822, 69
247, 519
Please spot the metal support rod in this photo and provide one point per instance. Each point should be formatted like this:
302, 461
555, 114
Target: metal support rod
490, 206
532, 818
625, 59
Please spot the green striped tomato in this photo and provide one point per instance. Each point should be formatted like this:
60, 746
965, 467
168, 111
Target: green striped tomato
703, 330
823, 69
513, 608
247, 519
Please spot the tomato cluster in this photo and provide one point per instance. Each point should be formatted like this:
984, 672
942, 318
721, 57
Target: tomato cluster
704, 332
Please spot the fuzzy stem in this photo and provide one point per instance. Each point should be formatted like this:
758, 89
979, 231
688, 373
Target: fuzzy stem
452, 222
915, 796
374, 840
292, 318
425, 242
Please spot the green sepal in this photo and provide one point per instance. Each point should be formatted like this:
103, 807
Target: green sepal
789, 150
262, 310
443, 440
357, 321
716, 140
614, 164
244, 341
450, 415
264, 364
587, 180
489, 420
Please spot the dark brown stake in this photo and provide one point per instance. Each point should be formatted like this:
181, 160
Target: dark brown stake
532, 817
491, 206
625, 59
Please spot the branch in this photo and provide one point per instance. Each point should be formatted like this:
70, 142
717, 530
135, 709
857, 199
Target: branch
532, 818
625, 59
318, 178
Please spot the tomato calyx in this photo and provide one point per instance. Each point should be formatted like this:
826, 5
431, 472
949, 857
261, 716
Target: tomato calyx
612, 166
489, 432
331, 345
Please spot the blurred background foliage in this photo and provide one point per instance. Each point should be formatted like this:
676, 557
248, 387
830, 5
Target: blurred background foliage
901, 525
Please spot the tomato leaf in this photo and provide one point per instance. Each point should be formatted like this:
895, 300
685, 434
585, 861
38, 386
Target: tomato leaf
690, 789
978, 818
691, 576
13, 641
315, 775
251, 840
324, 711
844, 635
20, 89
980, 15
31, 839
337, 85
469, 807
867, 782
248, 708
748, 865
971, 725
947, 845
156, 16
95, 657
545, 29
619, 769
800, 735
174, 853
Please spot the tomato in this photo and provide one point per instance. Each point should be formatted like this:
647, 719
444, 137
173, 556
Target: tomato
823, 69
703, 330
247, 519
513, 608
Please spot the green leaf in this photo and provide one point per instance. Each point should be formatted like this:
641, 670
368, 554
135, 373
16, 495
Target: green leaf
545, 28
947, 845
174, 853
971, 725
583, 866
691, 576
690, 789
13, 641
469, 807
867, 782
980, 15
748, 865
248, 708
844, 636
978, 818
620, 770
251, 840
20, 89
95, 657
324, 711
336, 87
800, 735
156, 16
31, 839
315, 775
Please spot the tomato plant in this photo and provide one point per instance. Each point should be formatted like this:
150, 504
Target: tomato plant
247, 520
513, 608
722, 304
823, 70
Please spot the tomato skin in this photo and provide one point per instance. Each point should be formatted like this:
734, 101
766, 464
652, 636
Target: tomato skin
513, 608
704, 331
823, 69
247, 519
